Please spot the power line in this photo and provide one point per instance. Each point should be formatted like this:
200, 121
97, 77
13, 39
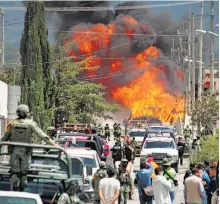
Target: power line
104, 8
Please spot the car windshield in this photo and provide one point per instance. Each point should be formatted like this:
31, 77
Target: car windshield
155, 134
15, 200
89, 162
137, 134
159, 144
162, 129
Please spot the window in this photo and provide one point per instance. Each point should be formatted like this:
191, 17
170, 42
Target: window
159, 144
14, 200
137, 134
157, 134
89, 162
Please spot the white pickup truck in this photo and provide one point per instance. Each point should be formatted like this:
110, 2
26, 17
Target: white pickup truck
8, 197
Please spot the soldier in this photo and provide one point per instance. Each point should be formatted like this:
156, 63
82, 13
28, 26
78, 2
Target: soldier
128, 150
187, 132
117, 153
69, 196
51, 131
125, 182
115, 127
133, 144
119, 130
100, 174
107, 132
22, 130
100, 129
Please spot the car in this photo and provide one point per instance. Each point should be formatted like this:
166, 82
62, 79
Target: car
160, 148
91, 162
8, 197
138, 134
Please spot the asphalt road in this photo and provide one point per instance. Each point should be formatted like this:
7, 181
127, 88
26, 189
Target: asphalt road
179, 198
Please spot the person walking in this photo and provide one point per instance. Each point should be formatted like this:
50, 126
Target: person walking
109, 188
212, 184
181, 146
125, 181
144, 182
22, 130
107, 132
106, 150
194, 192
170, 175
100, 174
161, 188
117, 153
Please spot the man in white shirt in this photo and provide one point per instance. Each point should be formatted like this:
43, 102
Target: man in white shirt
161, 188
109, 188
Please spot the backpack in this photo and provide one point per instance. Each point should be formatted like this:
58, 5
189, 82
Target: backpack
100, 174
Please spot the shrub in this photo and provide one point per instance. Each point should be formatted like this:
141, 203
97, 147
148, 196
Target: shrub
209, 149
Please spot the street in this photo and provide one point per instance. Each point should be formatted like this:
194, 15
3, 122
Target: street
179, 198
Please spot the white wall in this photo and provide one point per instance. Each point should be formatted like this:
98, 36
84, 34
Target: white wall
3, 99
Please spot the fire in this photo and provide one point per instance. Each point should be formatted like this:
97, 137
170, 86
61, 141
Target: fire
146, 93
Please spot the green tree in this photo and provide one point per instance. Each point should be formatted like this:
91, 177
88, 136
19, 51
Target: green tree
10, 74
209, 149
37, 85
77, 100
205, 112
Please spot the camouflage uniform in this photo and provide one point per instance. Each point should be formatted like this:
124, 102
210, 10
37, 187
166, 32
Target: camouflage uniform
107, 132
100, 174
187, 132
133, 145
70, 194
100, 130
22, 130
125, 182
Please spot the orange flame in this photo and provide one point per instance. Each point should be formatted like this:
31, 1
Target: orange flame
148, 93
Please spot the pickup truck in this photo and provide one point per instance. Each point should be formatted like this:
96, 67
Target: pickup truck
47, 173
8, 197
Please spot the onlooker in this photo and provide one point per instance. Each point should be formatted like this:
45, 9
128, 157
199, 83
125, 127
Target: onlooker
214, 164
106, 150
170, 174
151, 161
181, 146
161, 188
212, 184
194, 192
144, 181
109, 188
203, 174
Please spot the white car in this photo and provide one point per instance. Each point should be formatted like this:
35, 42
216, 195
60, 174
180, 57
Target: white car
160, 148
138, 134
90, 159
8, 197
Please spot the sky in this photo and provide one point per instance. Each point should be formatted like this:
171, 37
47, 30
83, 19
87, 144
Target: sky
14, 21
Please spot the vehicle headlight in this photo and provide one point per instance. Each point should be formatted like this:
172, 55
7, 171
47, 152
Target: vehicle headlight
174, 157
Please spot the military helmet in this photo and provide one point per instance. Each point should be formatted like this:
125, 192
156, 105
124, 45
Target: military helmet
50, 128
22, 110
124, 161
102, 164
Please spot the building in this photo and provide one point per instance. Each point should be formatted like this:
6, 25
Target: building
9, 100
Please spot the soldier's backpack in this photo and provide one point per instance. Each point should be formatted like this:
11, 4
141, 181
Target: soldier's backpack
100, 174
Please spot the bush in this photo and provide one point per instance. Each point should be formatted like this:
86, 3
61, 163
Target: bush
209, 149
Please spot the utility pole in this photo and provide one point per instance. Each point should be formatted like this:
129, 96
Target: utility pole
212, 49
189, 63
3, 38
193, 66
193, 60
200, 74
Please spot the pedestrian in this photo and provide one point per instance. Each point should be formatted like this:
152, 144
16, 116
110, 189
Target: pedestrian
161, 188
151, 161
203, 174
194, 192
106, 150
117, 153
170, 175
133, 144
144, 183
181, 146
100, 174
126, 182
109, 188
212, 184
22, 130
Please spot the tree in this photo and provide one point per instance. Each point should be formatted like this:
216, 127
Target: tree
10, 74
36, 77
205, 112
77, 100
209, 149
